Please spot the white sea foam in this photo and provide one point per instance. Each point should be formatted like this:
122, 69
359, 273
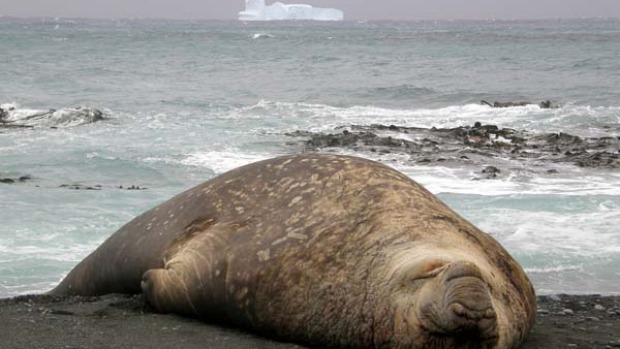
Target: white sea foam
555, 269
262, 36
66, 117
222, 161
569, 232
216, 161
320, 117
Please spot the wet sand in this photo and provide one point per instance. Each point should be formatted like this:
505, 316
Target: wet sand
118, 321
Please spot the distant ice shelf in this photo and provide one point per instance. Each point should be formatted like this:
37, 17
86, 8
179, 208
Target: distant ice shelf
256, 10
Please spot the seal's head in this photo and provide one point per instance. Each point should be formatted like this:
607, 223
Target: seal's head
446, 304
451, 298
456, 304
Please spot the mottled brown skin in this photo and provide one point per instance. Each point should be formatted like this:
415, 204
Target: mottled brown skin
325, 250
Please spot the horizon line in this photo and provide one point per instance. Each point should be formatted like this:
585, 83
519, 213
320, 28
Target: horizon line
232, 19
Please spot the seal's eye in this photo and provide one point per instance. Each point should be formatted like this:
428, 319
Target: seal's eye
434, 271
429, 270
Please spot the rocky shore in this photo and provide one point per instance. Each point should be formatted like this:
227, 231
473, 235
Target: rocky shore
118, 321
493, 149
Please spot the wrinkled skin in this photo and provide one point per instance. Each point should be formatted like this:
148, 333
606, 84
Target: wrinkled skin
324, 250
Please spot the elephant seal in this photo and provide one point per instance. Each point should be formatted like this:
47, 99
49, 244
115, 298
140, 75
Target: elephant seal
323, 250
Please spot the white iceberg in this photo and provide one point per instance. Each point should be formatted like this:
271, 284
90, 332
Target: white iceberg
256, 10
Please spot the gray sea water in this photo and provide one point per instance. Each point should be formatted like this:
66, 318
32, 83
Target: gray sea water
185, 101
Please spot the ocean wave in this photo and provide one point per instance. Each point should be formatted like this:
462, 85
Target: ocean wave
216, 161
13, 116
222, 161
321, 117
262, 36
399, 92
554, 269
570, 233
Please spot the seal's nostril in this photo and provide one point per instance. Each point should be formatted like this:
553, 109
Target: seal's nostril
489, 313
458, 309
464, 313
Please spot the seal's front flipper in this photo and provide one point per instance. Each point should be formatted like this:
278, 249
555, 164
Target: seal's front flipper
193, 274
187, 285
167, 291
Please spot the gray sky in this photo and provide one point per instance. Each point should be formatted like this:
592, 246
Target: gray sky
353, 9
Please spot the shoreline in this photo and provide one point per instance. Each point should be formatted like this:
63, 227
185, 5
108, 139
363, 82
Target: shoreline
125, 321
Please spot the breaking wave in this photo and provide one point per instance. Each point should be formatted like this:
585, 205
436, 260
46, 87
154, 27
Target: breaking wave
14, 116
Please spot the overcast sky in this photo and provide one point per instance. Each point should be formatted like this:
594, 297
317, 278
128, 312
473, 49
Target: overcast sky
353, 9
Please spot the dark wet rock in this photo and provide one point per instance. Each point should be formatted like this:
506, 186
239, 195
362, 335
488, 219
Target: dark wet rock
77, 186
491, 172
548, 105
556, 142
497, 104
52, 118
355, 140
132, 187
13, 180
600, 159
80, 187
543, 105
6, 125
477, 144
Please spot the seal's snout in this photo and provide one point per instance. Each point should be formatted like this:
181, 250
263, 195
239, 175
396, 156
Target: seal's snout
467, 300
466, 319
462, 311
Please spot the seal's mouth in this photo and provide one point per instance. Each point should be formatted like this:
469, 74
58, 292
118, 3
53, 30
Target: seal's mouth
462, 340
461, 322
